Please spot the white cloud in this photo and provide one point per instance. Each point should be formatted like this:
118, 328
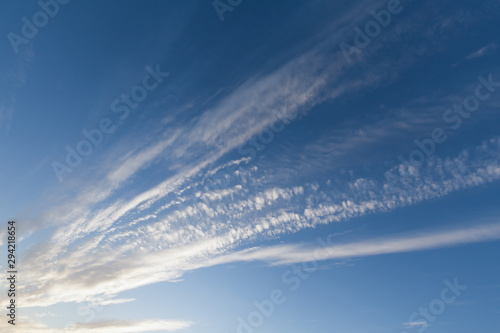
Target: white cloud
482, 51
111, 326
176, 225
198, 233
290, 254
414, 324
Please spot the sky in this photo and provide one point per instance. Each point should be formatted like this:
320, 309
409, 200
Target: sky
251, 166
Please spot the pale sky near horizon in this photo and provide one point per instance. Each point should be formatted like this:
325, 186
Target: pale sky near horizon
251, 166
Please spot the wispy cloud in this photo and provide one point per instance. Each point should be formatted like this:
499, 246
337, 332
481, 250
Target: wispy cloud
414, 324
204, 228
289, 254
483, 51
111, 326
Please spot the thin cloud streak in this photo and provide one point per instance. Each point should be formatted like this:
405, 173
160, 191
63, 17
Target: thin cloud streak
291, 254
110, 326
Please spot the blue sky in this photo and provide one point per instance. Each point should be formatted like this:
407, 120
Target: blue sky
251, 166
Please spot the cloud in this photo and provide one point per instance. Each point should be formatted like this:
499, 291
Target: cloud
290, 254
415, 324
120, 232
98, 256
284, 93
483, 51
111, 326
